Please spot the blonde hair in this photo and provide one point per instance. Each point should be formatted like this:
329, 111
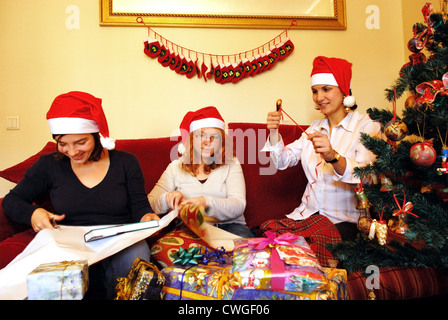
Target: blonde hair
223, 155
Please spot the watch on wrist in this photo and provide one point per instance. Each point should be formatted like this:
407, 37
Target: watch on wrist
336, 157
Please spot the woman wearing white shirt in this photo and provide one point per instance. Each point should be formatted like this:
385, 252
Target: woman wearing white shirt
329, 151
206, 174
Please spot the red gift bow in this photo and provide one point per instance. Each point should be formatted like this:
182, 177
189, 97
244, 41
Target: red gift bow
286, 239
406, 208
277, 264
429, 90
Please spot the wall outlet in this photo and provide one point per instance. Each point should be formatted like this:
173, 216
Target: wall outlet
12, 123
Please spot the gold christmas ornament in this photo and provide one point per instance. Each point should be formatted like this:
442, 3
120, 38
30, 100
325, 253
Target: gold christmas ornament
386, 184
364, 223
362, 203
398, 225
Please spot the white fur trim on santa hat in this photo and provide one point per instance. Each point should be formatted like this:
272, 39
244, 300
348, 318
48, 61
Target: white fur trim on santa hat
72, 126
181, 148
108, 143
349, 101
324, 78
207, 123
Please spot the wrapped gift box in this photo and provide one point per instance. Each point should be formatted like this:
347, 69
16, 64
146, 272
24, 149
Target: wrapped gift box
335, 289
284, 263
144, 282
217, 282
199, 282
66, 280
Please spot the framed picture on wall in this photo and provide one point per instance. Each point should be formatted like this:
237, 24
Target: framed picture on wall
267, 14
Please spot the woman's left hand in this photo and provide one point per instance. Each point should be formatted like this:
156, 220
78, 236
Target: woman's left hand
149, 216
199, 201
322, 145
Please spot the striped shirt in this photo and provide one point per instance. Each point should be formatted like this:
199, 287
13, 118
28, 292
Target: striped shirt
327, 192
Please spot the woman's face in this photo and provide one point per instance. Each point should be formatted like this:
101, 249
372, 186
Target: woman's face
328, 99
206, 142
77, 147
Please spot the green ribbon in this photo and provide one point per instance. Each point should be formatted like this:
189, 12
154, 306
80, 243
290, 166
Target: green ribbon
184, 256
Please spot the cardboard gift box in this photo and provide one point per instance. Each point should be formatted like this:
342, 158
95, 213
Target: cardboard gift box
66, 280
284, 263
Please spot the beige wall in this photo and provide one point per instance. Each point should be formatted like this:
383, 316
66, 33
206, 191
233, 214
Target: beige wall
41, 58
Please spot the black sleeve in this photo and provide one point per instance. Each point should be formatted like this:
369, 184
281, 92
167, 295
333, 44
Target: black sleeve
18, 203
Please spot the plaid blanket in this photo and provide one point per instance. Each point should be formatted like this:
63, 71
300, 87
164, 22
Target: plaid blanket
316, 229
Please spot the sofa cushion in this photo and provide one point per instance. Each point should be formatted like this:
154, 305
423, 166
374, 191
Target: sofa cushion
12, 246
16, 172
154, 155
270, 193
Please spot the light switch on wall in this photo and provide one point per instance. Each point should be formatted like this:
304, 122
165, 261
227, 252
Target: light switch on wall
12, 123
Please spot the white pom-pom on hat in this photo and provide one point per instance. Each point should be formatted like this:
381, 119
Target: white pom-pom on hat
108, 143
181, 148
349, 101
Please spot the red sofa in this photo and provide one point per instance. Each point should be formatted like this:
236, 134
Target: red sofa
270, 194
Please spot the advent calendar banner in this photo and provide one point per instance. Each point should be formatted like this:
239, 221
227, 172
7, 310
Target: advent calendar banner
222, 69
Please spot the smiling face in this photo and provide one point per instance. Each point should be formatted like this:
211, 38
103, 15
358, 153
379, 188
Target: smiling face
77, 147
329, 100
206, 142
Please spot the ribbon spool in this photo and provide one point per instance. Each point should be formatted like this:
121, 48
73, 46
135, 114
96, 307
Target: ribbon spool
378, 229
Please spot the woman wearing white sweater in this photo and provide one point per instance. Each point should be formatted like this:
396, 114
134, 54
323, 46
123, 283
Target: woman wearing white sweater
206, 174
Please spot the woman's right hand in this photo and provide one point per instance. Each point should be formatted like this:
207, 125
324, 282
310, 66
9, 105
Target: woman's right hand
173, 198
273, 120
43, 219
273, 123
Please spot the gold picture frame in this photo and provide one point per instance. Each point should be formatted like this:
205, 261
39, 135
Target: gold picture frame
242, 19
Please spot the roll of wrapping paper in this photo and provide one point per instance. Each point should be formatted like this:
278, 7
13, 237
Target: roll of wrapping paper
193, 217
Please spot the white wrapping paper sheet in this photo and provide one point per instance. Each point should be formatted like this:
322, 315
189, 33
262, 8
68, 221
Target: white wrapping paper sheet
67, 243
217, 238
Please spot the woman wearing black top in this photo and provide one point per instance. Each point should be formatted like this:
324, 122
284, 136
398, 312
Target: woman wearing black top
89, 183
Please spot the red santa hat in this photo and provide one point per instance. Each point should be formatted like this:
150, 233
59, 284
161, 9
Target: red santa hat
334, 72
79, 112
207, 117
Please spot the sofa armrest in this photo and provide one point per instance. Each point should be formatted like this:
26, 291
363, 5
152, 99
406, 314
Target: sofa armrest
8, 227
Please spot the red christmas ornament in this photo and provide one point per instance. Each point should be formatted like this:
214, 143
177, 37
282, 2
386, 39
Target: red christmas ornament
423, 154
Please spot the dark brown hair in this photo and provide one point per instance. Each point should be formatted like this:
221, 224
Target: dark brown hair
96, 153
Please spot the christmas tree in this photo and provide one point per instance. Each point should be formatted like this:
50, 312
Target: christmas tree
405, 191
